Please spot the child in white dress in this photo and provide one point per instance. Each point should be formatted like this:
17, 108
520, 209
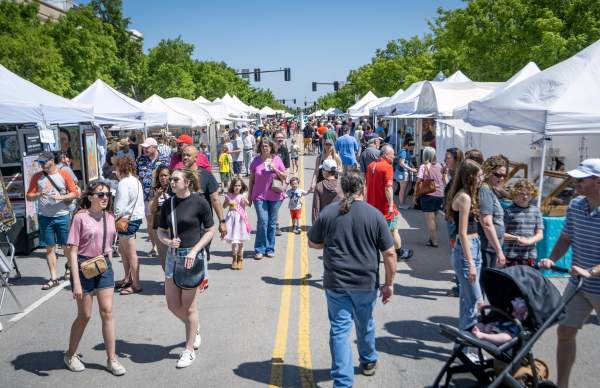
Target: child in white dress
236, 220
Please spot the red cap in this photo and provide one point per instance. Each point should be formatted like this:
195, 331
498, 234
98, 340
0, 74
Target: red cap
185, 139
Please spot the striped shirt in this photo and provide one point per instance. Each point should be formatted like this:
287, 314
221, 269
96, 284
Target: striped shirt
583, 229
522, 222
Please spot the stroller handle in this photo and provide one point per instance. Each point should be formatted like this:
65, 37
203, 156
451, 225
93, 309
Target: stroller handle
554, 268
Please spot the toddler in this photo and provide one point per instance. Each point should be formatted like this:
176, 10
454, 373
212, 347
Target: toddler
236, 221
295, 195
225, 163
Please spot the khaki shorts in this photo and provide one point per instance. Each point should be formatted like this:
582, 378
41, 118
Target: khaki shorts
580, 308
307, 141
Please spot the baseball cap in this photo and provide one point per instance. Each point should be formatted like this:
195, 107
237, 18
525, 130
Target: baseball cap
149, 142
587, 168
329, 165
185, 139
45, 156
373, 140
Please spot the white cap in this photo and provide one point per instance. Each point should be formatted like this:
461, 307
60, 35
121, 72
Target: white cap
329, 165
149, 142
587, 168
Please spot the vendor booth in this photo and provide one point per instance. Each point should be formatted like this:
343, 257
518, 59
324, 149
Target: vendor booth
32, 120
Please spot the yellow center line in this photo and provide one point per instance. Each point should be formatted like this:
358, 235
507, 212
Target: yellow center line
304, 353
279, 349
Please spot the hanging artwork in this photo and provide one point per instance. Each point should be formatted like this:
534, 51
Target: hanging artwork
9, 149
91, 156
30, 167
70, 144
7, 216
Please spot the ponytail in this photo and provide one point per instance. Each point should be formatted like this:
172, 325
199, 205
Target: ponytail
352, 185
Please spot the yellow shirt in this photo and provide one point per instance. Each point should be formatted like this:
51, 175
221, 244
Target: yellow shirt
225, 162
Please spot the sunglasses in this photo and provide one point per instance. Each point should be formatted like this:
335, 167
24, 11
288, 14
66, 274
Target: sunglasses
102, 195
499, 175
42, 162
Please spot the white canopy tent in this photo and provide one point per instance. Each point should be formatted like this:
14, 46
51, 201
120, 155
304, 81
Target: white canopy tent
202, 99
267, 111
370, 96
113, 107
458, 76
384, 108
561, 100
365, 110
218, 112
22, 101
190, 108
244, 107
175, 117
439, 99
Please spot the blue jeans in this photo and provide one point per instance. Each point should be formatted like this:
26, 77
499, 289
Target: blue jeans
266, 211
344, 307
469, 293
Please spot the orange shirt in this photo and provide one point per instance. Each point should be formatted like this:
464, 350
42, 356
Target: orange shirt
322, 129
379, 176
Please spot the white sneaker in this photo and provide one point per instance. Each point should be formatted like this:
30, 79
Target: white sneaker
186, 358
197, 340
115, 367
74, 363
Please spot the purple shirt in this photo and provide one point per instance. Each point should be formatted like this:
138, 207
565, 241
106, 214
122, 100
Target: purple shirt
263, 179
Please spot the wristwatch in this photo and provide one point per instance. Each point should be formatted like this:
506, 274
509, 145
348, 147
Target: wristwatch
221, 221
593, 271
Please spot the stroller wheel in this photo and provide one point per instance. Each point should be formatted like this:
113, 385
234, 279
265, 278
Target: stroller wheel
546, 384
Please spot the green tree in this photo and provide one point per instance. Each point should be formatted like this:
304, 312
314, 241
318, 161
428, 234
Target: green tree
87, 47
26, 48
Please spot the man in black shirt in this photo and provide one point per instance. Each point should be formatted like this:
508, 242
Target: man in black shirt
308, 133
352, 233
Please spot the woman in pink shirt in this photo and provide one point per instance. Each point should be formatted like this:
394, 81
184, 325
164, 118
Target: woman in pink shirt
266, 167
91, 234
432, 202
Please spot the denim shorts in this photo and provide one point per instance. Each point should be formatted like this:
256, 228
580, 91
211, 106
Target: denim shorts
53, 230
181, 253
430, 204
104, 280
132, 228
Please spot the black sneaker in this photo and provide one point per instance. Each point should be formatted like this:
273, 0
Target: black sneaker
404, 254
368, 369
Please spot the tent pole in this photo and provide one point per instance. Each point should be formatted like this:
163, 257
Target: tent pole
541, 181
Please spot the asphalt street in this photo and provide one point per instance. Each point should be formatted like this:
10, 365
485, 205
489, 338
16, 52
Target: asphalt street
264, 325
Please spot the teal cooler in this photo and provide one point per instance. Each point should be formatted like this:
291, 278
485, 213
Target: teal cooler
552, 228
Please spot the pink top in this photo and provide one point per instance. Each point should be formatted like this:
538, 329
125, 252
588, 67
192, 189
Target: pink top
435, 173
263, 179
86, 234
201, 161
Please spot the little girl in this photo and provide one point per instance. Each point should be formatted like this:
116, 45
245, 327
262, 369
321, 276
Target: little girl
238, 227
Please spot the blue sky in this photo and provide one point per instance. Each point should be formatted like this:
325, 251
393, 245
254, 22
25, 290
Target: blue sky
319, 40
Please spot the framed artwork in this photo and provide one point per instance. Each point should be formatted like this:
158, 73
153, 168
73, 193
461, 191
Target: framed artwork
7, 216
91, 156
14, 187
70, 143
30, 167
9, 149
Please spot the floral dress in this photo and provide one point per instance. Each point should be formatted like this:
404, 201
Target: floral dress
238, 227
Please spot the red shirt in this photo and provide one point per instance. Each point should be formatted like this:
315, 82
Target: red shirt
201, 161
379, 176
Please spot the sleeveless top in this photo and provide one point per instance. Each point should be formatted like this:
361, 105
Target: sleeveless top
471, 224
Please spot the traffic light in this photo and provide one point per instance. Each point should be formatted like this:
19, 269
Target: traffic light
294, 101
314, 86
305, 103
246, 73
336, 85
256, 75
287, 75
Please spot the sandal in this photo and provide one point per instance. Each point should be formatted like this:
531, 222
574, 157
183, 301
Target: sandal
129, 290
152, 253
51, 284
122, 284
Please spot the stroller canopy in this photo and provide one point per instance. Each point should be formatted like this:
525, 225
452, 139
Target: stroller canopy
503, 285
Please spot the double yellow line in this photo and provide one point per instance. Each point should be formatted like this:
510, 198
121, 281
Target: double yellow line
280, 347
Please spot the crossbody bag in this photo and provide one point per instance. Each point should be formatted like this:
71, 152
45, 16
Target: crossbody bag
185, 278
96, 265
122, 224
70, 201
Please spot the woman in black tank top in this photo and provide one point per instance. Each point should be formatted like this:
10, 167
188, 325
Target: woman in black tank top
462, 207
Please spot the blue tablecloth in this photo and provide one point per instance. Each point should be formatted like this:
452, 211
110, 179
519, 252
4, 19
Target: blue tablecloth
552, 228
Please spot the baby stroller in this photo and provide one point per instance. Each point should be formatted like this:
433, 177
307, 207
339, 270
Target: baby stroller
546, 307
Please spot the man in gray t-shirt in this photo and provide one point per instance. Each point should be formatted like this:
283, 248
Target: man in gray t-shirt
54, 190
352, 233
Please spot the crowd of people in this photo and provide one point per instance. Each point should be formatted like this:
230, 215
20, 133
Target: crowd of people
359, 171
